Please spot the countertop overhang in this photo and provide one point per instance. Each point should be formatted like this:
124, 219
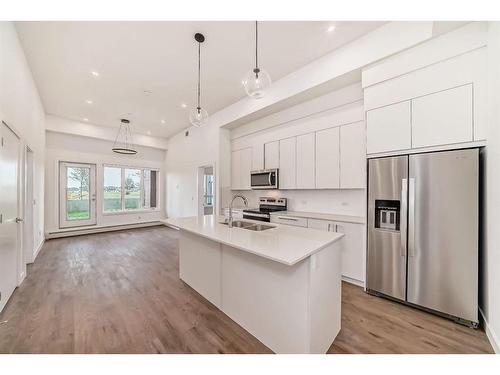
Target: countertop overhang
284, 244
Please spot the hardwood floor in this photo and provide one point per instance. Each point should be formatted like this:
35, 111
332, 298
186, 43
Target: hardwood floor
120, 292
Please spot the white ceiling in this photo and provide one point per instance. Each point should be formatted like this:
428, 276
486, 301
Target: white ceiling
147, 69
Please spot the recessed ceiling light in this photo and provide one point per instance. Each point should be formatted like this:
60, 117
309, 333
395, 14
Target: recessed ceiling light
89, 101
183, 105
85, 119
162, 121
331, 28
94, 73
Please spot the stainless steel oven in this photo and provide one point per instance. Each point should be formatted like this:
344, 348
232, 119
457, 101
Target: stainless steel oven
264, 179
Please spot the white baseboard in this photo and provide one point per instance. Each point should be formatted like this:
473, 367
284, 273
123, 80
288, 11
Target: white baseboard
495, 344
39, 247
353, 281
93, 230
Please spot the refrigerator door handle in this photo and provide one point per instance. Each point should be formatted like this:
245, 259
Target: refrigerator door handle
403, 219
411, 217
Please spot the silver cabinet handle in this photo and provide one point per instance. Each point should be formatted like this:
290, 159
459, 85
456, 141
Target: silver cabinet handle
411, 217
336, 227
403, 222
329, 225
19, 220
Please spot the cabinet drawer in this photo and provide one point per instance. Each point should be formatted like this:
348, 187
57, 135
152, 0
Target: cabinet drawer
289, 220
326, 225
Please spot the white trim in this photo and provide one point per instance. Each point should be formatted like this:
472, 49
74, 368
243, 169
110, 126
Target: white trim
353, 281
39, 247
495, 343
107, 228
451, 146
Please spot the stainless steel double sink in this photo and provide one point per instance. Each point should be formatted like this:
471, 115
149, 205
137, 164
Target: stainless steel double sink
249, 225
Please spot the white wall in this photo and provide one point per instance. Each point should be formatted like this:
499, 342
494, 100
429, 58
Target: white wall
21, 108
185, 154
490, 257
75, 148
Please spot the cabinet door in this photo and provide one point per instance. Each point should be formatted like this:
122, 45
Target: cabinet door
328, 226
288, 165
257, 157
327, 159
306, 161
353, 251
443, 118
235, 169
272, 155
246, 166
388, 128
353, 156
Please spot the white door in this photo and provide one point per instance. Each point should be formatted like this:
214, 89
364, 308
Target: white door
328, 159
288, 165
9, 233
77, 200
306, 161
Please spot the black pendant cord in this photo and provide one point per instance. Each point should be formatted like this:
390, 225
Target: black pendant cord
199, 76
256, 70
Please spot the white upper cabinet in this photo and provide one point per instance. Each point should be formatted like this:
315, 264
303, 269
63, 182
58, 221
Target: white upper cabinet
327, 159
287, 163
443, 118
257, 157
241, 164
272, 155
353, 156
306, 161
389, 128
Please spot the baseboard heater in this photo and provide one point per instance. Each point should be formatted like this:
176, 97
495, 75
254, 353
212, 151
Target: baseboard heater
109, 228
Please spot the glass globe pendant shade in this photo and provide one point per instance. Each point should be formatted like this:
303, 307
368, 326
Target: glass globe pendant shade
256, 82
198, 116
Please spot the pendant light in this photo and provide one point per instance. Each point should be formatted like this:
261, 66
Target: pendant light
257, 80
123, 142
198, 116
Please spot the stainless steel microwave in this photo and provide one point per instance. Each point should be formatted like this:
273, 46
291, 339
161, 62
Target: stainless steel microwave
264, 179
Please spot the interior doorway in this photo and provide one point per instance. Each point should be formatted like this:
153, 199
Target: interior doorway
29, 202
206, 190
77, 195
10, 231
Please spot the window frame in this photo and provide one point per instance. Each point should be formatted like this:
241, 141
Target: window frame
124, 211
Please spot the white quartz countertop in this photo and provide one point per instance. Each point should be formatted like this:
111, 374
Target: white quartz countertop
284, 244
321, 216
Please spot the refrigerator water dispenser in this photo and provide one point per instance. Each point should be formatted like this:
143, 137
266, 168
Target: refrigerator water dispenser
387, 214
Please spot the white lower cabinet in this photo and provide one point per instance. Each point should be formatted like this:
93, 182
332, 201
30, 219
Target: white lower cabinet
352, 246
289, 220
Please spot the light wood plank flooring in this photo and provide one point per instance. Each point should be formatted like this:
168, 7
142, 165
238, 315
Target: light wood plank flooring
120, 292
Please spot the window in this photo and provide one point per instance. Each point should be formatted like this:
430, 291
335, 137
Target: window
208, 183
127, 189
112, 189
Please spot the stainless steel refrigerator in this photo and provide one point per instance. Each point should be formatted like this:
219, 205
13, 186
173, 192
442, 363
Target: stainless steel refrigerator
423, 218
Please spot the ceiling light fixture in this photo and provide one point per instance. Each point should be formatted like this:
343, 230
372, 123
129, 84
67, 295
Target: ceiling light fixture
126, 145
94, 73
198, 116
331, 28
257, 80
89, 101
162, 121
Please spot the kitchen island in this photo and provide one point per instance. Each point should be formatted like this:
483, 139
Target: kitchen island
283, 284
